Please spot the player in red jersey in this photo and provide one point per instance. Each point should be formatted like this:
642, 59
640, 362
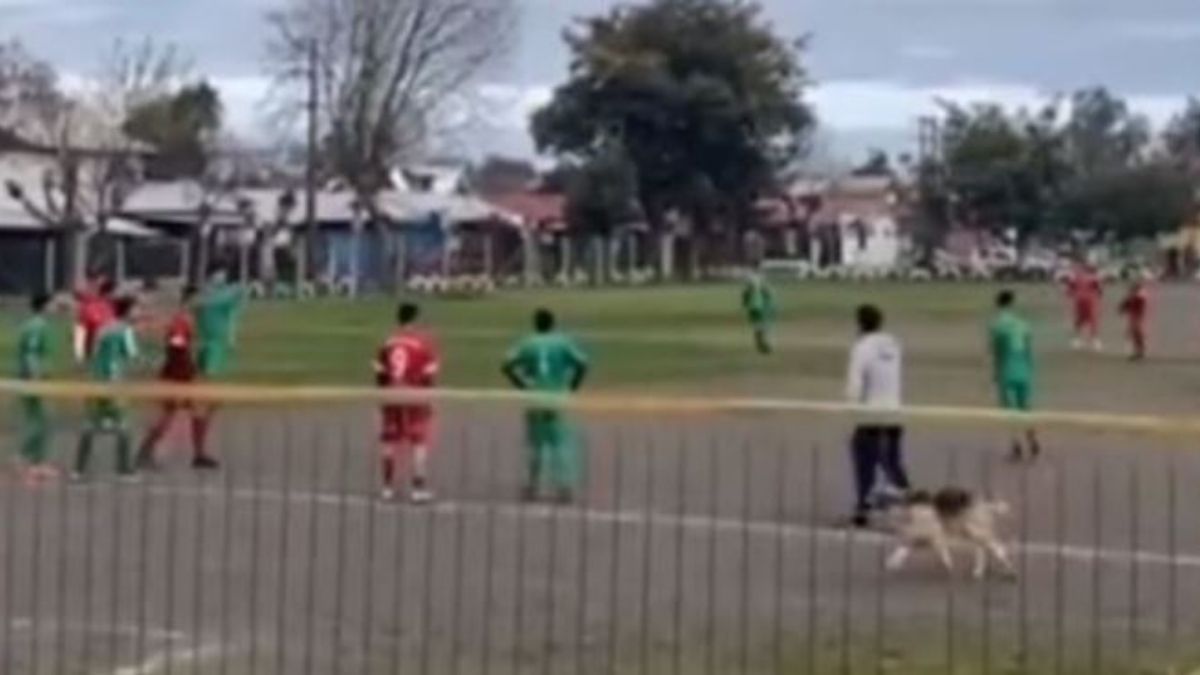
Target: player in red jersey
1085, 292
93, 311
1135, 307
407, 360
179, 367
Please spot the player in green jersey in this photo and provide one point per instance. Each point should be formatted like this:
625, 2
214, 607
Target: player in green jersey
549, 362
33, 349
1010, 339
116, 347
758, 302
216, 313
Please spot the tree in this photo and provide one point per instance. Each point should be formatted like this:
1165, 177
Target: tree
1128, 203
181, 126
1182, 137
93, 163
878, 164
1102, 134
702, 95
601, 196
384, 67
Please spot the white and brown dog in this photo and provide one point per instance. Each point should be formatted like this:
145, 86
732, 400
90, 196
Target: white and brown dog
937, 520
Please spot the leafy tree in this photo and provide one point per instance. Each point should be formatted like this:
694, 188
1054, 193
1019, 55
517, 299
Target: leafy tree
1125, 204
1182, 137
601, 196
1102, 134
703, 96
180, 126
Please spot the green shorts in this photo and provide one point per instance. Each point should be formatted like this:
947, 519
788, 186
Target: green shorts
33, 409
547, 429
212, 359
105, 413
1016, 396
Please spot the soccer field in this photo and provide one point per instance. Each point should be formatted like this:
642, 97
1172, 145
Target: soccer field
702, 544
694, 339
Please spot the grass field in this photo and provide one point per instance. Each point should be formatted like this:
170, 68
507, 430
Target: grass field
694, 339
690, 527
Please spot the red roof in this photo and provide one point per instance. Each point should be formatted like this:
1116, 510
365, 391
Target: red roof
538, 209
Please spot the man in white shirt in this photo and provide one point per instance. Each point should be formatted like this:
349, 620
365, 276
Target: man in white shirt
874, 381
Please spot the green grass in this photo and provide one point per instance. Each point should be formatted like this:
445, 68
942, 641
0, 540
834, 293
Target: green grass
695, 339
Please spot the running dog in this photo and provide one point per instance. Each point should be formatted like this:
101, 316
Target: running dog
936, 520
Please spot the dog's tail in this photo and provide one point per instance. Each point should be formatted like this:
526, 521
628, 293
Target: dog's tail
999, 508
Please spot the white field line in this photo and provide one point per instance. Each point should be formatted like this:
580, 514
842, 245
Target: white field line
162, 660
24, 623
1066, 552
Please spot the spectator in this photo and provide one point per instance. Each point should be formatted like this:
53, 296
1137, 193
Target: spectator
874, 381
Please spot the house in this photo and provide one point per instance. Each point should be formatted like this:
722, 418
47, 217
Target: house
849, 221
39, 255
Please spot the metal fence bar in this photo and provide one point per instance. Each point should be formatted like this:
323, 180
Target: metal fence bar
697, 548
281, 580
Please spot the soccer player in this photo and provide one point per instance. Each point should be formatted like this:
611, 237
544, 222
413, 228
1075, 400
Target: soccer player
759, 304
1011, 344
215, 311
408, 359
33, 348
873, 380
1135, 307
179, 367
94, 310
549, 362
1085, 292
116, 347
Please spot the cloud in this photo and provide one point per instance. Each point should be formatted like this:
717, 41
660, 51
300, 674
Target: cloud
1159, 31
884, 104
926, 52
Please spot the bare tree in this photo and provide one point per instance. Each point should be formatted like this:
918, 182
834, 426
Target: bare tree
383, 69
93, 162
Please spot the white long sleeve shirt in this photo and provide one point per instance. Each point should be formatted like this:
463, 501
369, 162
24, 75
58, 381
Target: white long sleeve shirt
874, 377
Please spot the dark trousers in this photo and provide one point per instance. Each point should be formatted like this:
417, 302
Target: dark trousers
873, 448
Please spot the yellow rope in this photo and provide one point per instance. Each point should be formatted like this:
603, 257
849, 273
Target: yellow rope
606, 403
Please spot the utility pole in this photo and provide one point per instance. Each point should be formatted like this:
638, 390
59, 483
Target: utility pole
308, 260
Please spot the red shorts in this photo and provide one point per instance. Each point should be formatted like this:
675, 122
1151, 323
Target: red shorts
407, 424
1086, 314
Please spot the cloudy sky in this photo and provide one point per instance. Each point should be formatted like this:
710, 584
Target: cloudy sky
878, 64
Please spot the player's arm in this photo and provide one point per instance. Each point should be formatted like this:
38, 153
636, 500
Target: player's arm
79, 335
580, 361
854, 375
513, 369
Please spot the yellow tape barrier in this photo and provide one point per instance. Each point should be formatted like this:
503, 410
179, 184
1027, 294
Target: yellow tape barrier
609, 403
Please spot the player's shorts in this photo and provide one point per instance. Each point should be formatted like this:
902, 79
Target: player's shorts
1086, 314
758, 318
1016, 395
546, 428
212, 359
407, 424
105, 413
33, 409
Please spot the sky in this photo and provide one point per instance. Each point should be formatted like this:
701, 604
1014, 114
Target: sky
876, 64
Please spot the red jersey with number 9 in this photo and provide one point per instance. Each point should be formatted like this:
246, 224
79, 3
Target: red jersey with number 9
407, 359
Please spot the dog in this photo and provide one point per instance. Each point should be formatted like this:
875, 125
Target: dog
935, 520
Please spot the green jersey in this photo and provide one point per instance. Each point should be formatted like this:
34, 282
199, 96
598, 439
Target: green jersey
116, 346
1011, 341
216, 315
548, 362
757, 298
33, 346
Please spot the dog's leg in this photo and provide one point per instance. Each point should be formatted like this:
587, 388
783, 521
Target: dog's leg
943, 550
898, 557
1001, 555
981, 560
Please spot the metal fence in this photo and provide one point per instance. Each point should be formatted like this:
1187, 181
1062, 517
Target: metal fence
701, 543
